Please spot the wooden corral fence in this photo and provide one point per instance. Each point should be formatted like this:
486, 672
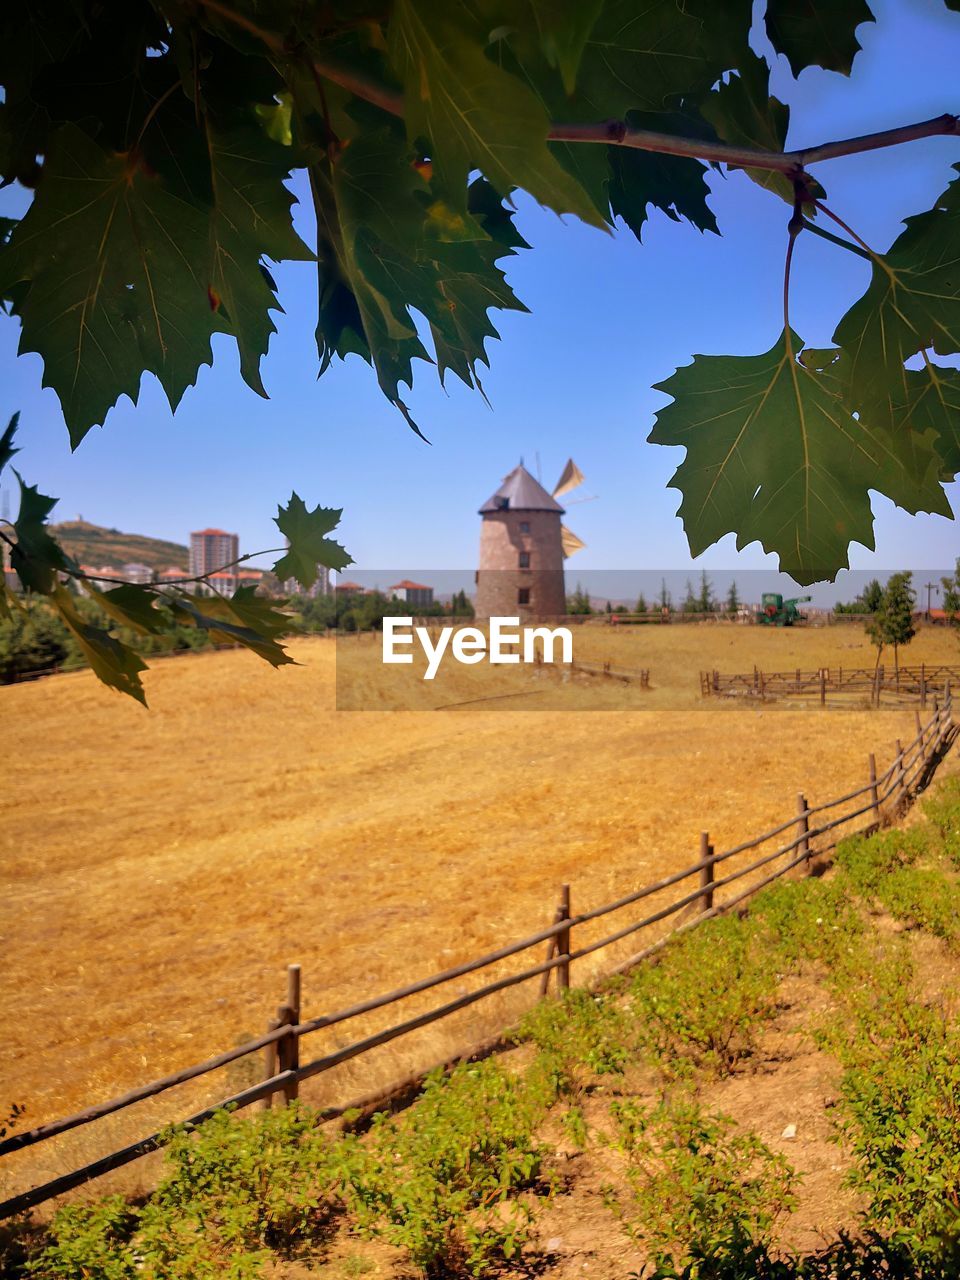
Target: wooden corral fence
907, 682
801, 843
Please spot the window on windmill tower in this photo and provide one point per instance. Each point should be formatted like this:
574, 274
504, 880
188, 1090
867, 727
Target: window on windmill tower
524, 526
524, 559
523, 595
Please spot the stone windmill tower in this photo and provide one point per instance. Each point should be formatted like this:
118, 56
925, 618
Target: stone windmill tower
523, 545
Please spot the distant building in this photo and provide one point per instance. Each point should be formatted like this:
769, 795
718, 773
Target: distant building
211, 549
521, 552
101, 579
11, 580
135, 572
291, 587
350, 589
226, 582
412, 593
173, 575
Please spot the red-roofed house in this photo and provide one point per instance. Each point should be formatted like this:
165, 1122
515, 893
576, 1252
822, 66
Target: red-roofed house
413, 593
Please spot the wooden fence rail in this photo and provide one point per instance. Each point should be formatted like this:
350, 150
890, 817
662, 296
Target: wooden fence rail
280, 1044
904, 682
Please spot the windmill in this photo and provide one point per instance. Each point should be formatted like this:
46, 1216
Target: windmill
523, 546
570, 478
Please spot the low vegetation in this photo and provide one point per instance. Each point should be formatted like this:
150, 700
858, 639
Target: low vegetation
458, 1181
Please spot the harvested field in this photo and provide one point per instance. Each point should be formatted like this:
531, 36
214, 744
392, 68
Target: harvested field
160, 869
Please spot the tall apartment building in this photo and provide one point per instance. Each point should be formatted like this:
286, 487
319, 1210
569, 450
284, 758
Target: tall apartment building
211, 549
320, 588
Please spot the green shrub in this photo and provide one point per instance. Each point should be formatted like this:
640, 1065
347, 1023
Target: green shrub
234, 1192
579, 1036
699, 1191
924, 898
704, 1003
943, 811
865, 861
442, 1180
807, 922
89, 1240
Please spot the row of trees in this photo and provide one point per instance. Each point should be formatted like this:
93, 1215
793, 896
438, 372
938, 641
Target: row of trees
366, 610
700, 601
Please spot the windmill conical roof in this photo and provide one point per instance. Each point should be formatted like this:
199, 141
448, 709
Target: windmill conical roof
520, 492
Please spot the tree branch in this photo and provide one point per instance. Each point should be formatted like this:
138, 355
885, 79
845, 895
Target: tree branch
618, 132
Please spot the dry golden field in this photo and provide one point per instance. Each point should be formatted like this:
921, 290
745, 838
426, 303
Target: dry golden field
160, 868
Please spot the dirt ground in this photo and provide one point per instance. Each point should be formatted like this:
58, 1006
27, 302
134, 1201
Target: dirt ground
159, 869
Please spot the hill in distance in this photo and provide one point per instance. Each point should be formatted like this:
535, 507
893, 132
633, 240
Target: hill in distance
93, 545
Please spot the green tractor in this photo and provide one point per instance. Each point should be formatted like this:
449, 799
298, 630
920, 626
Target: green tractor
777, 612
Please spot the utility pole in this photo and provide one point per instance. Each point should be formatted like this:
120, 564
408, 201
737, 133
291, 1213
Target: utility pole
930, 586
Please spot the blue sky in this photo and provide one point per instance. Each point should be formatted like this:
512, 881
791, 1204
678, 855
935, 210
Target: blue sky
610, 317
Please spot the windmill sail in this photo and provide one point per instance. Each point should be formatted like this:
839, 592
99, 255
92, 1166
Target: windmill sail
571, 477
570, 542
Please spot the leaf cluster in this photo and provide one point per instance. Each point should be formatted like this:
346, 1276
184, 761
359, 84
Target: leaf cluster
103, 627
158, 136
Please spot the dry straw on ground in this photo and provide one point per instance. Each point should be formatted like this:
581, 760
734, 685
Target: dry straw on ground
160, 868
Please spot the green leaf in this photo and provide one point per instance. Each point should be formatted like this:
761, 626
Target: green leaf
813, 34
309, 546
899, 434
564, 29
771, 456
224, 621
474, 114
114, 663
389, 242
37, 557
116, 285
250, 219
258, 613
130, 605
674, 184
646, 57
744, 113
912, 304
7, 448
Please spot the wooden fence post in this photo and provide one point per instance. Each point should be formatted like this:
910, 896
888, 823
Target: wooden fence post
798, 679
551, 952
898, 773
289, 1054
269, 1064
763, 697
923, 685
823, 687
803, 821
874, 795
920, 736
563, 940
706, 872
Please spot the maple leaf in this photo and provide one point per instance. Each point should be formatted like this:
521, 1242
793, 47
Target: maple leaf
130, 605
113, 662
646, 57
475, 114
249, 219
306, 532
116, 285
674, 184
234, 621
7, 447
772, 456
37, 557
817, 35
912, 304
899, 434
744, 113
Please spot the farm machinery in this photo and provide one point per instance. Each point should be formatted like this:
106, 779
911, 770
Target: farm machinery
776, 612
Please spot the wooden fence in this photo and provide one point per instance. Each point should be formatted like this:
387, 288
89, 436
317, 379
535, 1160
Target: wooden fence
802, 842
906, 682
